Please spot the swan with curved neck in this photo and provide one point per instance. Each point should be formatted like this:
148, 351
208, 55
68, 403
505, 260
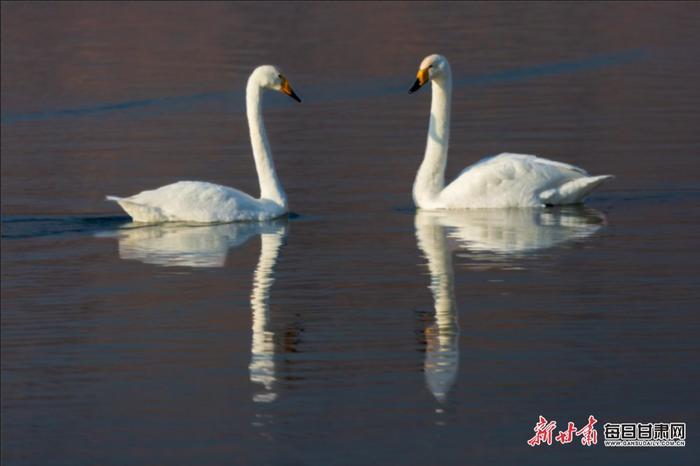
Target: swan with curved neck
506, 180
197, 201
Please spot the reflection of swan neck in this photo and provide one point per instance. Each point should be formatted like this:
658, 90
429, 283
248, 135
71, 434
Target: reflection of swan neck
262, 280
270, 186
442, 353
430, 179
432, 241
442, 287
262, 364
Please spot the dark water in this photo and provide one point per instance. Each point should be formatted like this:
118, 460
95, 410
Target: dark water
358, 331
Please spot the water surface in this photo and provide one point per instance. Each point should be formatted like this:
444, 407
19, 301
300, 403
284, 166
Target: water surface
358, 331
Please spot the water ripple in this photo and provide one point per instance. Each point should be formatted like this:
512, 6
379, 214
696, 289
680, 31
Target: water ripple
366, 89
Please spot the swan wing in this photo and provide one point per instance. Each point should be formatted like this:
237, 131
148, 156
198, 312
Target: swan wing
196, 201
140, 212
513, 180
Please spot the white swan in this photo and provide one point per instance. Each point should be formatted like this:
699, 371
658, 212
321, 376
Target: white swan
506, 180
197, 201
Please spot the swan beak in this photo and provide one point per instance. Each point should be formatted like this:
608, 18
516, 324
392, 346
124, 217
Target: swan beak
287, 89
421, 78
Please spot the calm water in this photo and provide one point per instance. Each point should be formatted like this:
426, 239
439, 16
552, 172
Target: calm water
358, 331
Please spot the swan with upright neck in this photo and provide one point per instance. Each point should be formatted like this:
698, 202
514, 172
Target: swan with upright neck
505, 180
197, 201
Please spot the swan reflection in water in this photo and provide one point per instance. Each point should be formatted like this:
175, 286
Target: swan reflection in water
172, 245
489, 235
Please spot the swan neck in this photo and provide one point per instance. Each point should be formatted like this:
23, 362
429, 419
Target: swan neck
430, 179
270, 186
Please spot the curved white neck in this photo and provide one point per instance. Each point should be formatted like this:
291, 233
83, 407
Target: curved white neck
270, 186
430, 179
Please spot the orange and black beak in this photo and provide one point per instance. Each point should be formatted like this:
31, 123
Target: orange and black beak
421, 78
287, 89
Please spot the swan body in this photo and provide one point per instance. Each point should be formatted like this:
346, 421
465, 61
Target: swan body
197, 201
506, 180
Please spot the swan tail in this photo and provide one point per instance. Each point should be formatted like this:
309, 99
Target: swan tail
574, 191
139, 212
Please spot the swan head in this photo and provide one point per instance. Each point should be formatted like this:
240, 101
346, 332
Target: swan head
432, 67
269, 77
